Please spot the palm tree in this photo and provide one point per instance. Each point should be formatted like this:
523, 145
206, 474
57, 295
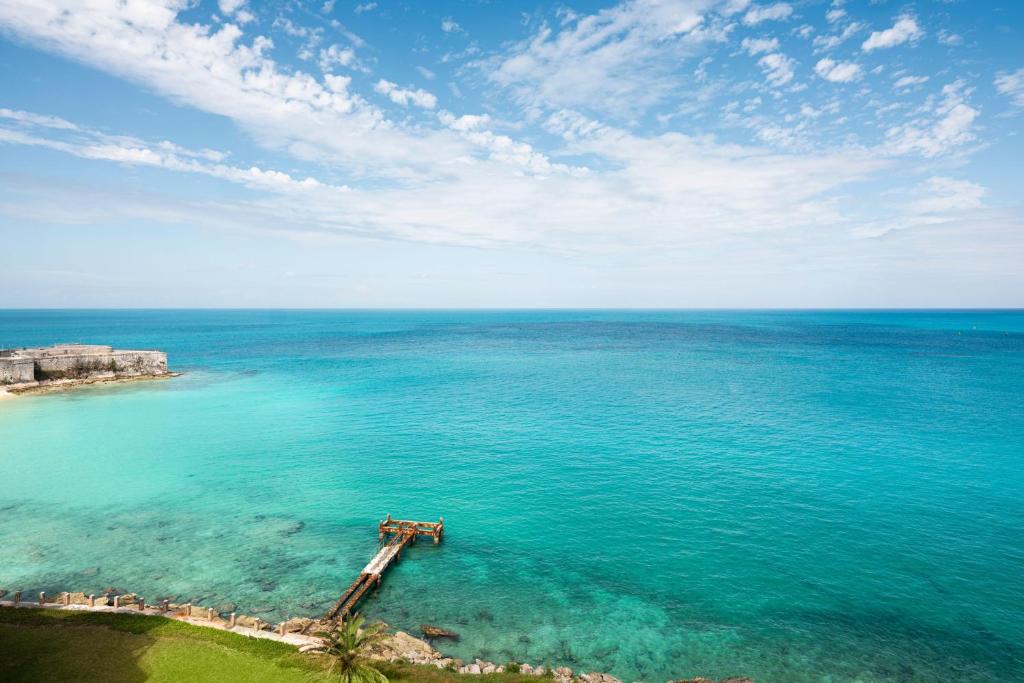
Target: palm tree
347, 645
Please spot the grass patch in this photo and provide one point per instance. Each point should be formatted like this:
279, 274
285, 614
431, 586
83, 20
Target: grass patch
57, 645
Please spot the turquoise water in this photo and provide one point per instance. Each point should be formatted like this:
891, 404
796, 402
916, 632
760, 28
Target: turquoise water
795, 496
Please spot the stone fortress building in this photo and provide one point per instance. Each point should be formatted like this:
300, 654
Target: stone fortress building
77, 362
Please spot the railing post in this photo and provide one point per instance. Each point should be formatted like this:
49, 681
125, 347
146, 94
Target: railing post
280, 628
42, 597
117, 601
66, 598
231, 620
17, 597
165, 604
209, 614
188, 609
142, 604
92, 600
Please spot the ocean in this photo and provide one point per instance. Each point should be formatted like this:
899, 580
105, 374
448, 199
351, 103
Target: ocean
787, 495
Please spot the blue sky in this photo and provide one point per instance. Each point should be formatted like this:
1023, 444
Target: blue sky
688, 153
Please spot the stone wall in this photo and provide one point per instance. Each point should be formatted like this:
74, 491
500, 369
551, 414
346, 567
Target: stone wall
117, 363
16, 370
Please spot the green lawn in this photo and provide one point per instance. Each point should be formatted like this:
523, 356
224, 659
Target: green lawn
54, 645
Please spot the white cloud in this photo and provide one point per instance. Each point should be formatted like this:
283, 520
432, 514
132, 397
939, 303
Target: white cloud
405, 97
365, 7
835, 14
778, 68
755, 46
214, 71
837, 72
909, 81
465, 122
905, 29
336, 55
230, 6
755, 15
426, 73
449, 25
734, 7
463, 179
940, 130
1011, 84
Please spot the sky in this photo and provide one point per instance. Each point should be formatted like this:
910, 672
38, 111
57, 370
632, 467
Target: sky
644, 153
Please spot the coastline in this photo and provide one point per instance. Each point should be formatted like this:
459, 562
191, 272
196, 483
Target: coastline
60, 385
396, 646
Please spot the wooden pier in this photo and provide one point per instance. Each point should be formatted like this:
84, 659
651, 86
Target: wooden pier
393, 535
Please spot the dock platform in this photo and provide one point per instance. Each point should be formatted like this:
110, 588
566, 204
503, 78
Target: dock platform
393, 535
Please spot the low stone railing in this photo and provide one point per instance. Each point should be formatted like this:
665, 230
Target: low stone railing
288, 631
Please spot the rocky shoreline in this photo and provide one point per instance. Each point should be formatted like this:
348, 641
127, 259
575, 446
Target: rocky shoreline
398, 646
59, 385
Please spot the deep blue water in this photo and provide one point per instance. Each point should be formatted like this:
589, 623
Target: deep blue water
795, 496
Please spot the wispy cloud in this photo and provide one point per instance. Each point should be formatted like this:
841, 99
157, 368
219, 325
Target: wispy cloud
1011, 84
617, 61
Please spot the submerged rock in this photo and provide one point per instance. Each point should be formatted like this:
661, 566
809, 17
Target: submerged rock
293, 528
437, 632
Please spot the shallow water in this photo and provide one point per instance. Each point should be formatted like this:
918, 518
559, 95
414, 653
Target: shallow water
795, 496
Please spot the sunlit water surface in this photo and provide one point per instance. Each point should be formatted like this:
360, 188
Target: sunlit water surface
794, 496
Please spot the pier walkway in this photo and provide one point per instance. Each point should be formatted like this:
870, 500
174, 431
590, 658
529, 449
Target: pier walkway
397, 533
